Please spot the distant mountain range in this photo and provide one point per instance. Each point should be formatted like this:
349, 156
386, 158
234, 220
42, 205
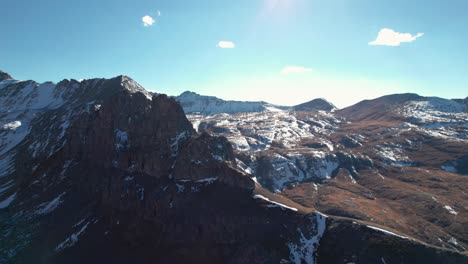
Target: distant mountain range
102, 170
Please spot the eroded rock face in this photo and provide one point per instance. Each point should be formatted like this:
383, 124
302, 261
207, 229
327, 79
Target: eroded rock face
131, 132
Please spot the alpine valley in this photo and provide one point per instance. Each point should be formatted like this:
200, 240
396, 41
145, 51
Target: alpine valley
104, 171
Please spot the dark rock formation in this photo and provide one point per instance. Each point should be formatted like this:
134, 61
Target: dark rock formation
4, 76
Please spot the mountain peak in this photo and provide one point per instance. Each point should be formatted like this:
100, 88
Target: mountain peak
4, 76
189, 94
318, 104
131, 85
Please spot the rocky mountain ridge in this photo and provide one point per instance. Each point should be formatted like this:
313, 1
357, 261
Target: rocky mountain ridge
103, 171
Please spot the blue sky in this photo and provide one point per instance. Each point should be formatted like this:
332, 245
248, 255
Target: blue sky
281, 51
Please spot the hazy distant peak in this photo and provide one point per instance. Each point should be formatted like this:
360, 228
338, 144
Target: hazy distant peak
318, 104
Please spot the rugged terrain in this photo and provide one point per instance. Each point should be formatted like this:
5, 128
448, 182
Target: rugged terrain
399, 162
101, 170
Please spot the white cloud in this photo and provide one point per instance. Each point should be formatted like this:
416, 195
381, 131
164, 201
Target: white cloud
295, 69
158, 13
226, 44
147, 21
389, 37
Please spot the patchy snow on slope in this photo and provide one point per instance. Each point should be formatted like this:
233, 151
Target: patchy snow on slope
180, 188
177, 141
449, 168
48, 207
66, 166
135, 87
304, 250
244, 168
257, 131
450, 210
274, 204
29, 95
393, 155
4, 187
194, 185
6, 165
454, 242
72, 239
210, 105
438, 117
12, 132
121, 140
5, 203
298, 167
386, 232
207, 180
12, 125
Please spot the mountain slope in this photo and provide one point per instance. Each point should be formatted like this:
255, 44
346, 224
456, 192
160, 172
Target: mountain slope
128, 171
402, 169
103, 171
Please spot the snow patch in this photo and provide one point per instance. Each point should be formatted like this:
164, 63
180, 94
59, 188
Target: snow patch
449, 168
393, 156
5, 203
274, 204
72, 239
387, 232
177, 141
207, 180
48, 207
12, 125
121, 140
6, 186
450, 210
304, 251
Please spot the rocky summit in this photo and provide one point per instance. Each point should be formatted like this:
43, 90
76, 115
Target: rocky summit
102, 170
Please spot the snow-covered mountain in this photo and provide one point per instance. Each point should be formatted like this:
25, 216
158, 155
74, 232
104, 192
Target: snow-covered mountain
194, 103
101, 170
356, 161
91, 167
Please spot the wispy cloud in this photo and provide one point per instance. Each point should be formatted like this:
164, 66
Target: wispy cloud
147, 21
158, 13
226, 44
295, 69
389, 37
